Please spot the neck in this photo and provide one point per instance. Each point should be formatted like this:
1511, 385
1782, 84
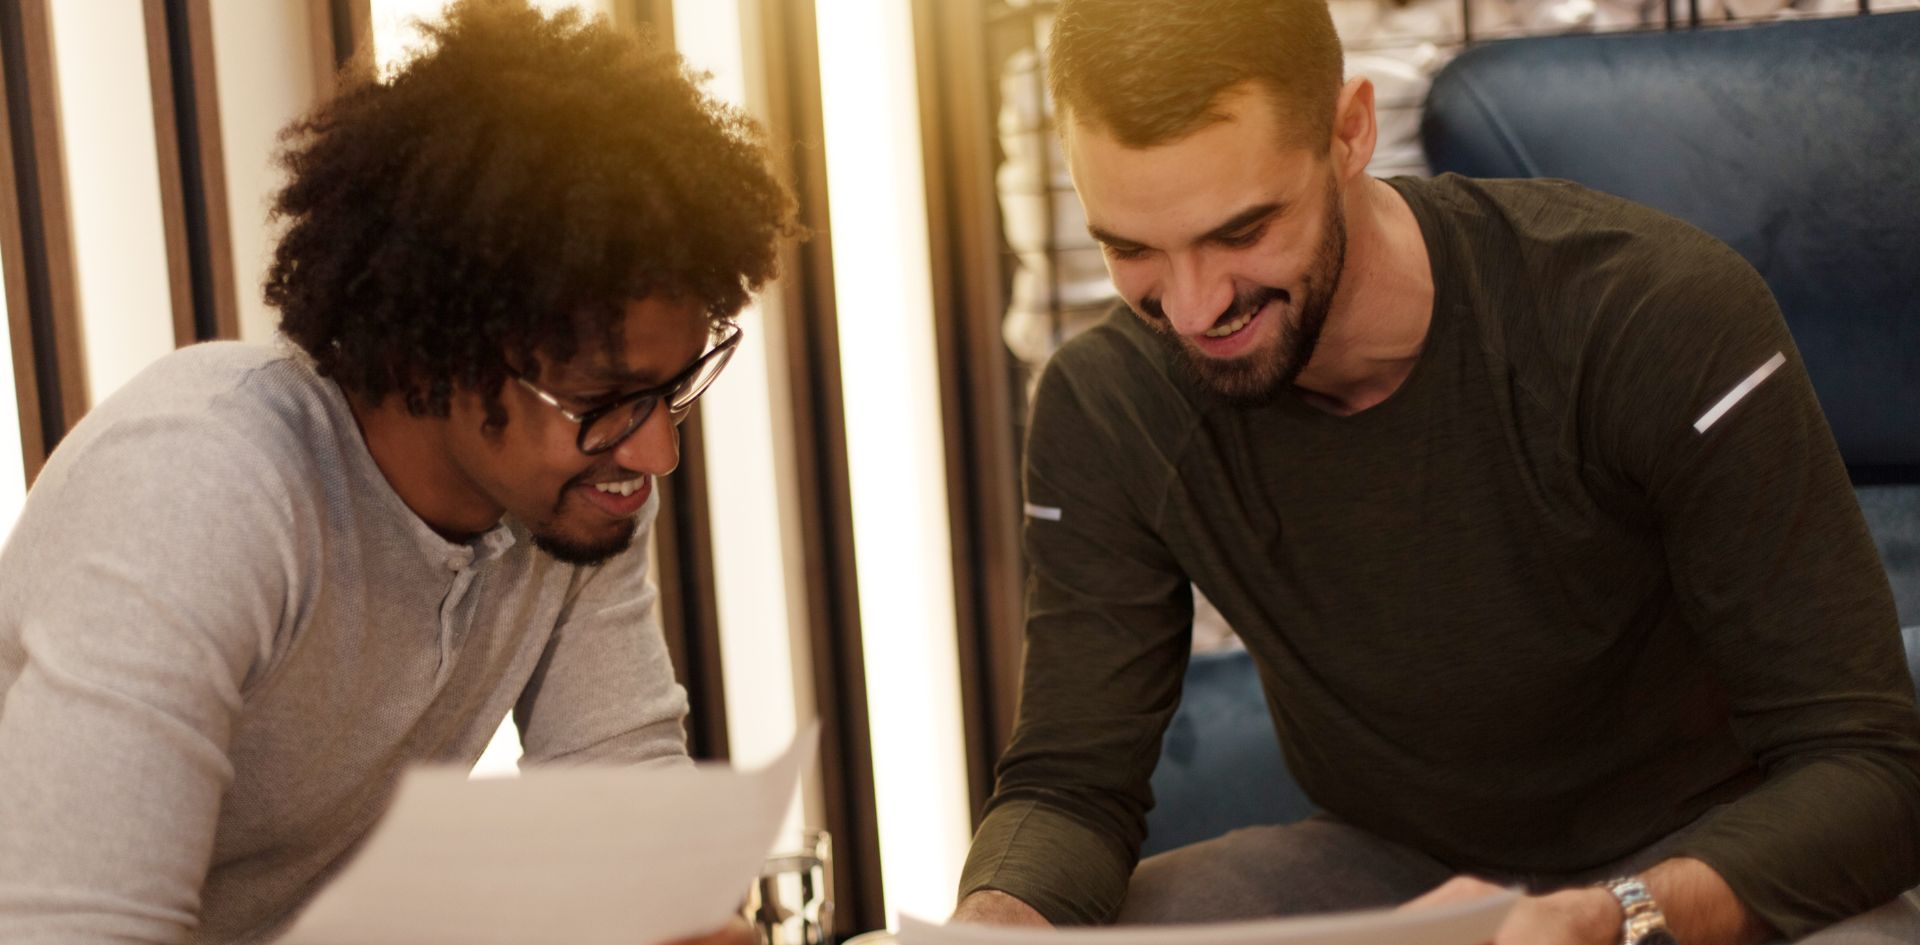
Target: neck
1381, 310
410, 452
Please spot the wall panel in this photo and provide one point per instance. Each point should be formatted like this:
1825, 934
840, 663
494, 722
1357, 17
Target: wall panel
112, 169
264, 64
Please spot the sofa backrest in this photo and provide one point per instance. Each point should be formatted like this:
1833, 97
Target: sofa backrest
1798, 144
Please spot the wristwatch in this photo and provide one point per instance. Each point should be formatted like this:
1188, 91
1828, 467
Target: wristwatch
1645, 923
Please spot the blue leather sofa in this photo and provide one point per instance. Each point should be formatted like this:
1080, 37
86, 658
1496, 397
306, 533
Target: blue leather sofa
1796, 143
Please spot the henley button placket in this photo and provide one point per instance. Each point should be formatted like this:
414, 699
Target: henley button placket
450, 610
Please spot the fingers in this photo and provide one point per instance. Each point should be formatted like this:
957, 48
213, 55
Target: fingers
1457, 889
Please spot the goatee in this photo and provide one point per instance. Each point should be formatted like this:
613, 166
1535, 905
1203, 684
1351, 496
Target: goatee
1261, 376
584, 553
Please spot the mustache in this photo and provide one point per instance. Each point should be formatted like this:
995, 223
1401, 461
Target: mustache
1244, 303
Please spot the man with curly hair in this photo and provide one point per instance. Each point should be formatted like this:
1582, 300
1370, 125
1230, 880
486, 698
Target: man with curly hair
252, 587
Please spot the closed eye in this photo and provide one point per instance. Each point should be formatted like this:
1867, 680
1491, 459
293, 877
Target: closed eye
1243, 238
1125, 252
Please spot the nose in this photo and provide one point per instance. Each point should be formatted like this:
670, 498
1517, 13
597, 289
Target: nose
654, 448
1194, 298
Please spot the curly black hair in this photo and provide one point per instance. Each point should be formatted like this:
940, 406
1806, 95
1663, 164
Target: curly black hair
506, 192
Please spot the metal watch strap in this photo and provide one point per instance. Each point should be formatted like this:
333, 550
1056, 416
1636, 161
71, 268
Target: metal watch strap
1644, 924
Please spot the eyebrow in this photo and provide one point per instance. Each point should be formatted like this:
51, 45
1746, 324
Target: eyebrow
1245, 219
1239, 221
609, 376
1111, 239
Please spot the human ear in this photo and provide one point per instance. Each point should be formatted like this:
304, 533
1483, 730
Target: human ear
1355, 131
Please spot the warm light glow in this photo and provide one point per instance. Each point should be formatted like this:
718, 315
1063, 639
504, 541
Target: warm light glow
113, 183
395, 36
895, 451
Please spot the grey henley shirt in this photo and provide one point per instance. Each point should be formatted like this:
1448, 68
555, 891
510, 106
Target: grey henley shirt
223, 636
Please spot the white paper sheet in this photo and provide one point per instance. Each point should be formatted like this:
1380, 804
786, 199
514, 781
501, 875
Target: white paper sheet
1461, 923
585, 856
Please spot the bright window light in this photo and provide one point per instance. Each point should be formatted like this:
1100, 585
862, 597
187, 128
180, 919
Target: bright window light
896, 456
761, 659
113, 180
265, 77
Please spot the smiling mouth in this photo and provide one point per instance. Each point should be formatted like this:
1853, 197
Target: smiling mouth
1233, 327
620, 499
1251, 305
626, 488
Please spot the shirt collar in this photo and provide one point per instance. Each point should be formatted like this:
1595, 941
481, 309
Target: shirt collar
435, 549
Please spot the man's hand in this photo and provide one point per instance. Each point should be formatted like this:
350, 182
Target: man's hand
736, 932
1570, 917
1700, 907
993, 907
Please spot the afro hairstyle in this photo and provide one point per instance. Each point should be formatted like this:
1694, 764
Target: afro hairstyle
502, 195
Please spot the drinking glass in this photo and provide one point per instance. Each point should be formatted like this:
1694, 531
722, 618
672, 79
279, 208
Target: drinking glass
791, 902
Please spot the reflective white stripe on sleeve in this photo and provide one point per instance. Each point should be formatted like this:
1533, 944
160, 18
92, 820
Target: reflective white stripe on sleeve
1046, 512
1739, 392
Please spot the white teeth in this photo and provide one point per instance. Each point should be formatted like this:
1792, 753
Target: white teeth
621, 488
1230, 327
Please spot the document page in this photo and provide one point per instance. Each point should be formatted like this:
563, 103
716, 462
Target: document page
1460, 923
585, 856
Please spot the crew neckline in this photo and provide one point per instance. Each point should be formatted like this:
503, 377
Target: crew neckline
1440, 323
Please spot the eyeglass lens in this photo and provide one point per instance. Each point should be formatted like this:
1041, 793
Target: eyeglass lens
615, 425
690, 390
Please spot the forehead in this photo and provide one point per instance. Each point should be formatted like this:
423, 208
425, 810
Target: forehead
659, 336
1172, 192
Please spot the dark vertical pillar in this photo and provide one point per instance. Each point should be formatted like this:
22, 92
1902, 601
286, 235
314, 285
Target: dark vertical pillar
193, 198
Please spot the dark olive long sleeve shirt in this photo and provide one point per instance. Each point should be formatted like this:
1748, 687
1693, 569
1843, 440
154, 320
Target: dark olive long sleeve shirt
1538, 609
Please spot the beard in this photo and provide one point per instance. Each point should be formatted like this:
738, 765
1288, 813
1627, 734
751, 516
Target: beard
585, 553
1260, 376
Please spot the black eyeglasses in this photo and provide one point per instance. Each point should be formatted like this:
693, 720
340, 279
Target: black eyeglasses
608, 425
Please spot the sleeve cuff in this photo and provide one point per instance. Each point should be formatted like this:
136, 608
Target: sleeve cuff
1066, 870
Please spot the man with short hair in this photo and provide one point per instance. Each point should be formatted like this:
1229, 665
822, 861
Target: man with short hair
250, 589
1435, 448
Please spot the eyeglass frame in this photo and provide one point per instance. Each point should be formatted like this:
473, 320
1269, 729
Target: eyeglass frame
661, 393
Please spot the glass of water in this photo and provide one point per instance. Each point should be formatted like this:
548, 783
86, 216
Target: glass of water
791, 902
